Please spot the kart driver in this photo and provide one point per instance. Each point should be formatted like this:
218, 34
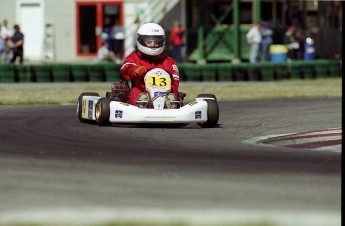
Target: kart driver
150, 54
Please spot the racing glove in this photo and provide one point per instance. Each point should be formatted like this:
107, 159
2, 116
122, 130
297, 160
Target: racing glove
140, 72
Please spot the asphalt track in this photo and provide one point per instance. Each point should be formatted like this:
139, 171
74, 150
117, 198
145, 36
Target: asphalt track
55, 169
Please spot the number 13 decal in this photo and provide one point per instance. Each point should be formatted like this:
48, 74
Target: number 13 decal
163, 82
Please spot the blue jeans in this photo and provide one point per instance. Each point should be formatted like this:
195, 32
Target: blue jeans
4, 51
265, 53
2, 46
177, 53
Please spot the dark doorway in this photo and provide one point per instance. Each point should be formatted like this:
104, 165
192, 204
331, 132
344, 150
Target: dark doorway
87, 17
94, 20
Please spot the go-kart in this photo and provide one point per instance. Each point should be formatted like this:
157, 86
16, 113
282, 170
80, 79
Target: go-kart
156, 108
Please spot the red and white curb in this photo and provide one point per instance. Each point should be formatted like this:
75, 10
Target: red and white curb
319, 140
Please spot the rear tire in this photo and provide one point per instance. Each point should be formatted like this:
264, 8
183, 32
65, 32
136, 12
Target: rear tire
102, 111
80, 104
212, 111
206, 95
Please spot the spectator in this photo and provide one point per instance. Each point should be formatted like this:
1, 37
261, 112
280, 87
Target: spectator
176, 41
266, 35
17, 42
5, 35
118, 36
254, 39
104, 54
292, 43
106, 33
300, 38
2, 44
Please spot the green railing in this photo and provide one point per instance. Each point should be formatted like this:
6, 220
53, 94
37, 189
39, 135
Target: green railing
217, 44
265, 71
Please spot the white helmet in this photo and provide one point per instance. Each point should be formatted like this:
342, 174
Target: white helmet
151, 39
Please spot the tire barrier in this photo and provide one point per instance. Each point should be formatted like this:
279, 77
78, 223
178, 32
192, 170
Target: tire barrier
322, 68
108, 72
267, 71
295, 69
95, 73
7, 73
280, 71
190, 72
208, 73
224, 72
112, 72
23, 73
61, 73
42, 73
79, 73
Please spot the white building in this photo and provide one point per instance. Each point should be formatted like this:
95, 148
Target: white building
70, 30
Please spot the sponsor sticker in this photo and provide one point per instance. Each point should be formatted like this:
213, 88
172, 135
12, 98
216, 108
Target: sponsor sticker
198, 115
158, 94
192, 103
83, 109
175, 68
89, 110
118, 113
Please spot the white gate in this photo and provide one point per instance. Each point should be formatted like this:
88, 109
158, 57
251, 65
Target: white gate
30, 17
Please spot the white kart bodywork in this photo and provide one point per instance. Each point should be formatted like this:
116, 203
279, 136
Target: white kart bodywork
193, 112
204, 110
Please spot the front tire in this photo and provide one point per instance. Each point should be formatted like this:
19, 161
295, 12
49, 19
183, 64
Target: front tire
80, 104
102, 111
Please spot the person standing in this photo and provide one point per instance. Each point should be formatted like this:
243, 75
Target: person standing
104, 54
266, 35
5, 35
176, 41
291, 43
300, 38
2, 44
106, 33
254, 39
17, 44
118, 36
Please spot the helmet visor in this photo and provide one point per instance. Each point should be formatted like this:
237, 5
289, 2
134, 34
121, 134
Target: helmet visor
151, 41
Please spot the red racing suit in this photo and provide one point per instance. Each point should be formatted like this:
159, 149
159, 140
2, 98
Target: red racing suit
136, 59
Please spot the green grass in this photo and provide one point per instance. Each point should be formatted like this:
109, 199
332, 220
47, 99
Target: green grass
48, 93
273, 90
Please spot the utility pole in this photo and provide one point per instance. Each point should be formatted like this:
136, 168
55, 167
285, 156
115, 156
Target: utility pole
257, 11
236, 32
201, 59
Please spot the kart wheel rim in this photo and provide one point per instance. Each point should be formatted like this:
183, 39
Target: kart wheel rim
97, 111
